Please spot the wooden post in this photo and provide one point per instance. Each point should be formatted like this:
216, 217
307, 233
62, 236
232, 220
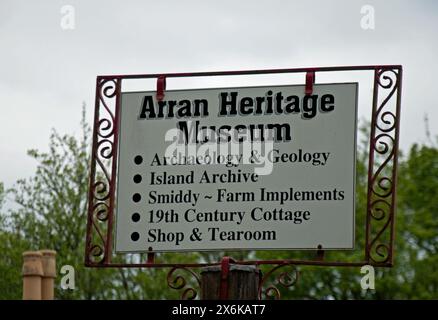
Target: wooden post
230, 281
49, 270
32, 273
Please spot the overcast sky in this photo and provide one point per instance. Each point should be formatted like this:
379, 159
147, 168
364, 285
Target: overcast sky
46, 72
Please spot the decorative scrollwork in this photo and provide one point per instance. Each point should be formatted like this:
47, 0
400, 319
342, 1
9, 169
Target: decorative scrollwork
381, 182
384, 144
109, 88
386, 79
96, 253
383, 151
178, 282
383, 187
105, 128
102, 211
382, 77
379, 208
105, 148
102, 176
382, 251
100, 192
287, 278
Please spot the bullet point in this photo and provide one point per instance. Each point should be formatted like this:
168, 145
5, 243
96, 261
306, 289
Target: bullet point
137, 178
135, 217
135, 236
138, 159
136, 197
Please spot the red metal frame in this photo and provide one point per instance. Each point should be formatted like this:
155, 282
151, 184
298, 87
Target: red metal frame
225, 270
382, 171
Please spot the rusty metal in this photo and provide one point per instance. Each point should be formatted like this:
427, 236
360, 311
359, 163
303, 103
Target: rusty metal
161, 87
249, 72
285, 279
103, 173
310, 81
179, 282
382, 174
320, 253
382, 168
151, 257
225, 271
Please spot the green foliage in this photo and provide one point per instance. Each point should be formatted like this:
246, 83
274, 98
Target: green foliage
329, 282
51, 214
12, 247
415, 272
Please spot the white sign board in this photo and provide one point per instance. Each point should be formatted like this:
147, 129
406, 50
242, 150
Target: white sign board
237, 168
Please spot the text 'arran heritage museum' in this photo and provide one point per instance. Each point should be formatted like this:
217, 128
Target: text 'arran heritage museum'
237, 168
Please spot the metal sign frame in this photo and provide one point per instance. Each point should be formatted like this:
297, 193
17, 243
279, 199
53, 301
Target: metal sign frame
382, 172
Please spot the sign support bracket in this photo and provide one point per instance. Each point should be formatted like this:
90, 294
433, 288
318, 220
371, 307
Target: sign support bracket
161, 87
310, 81
380, 206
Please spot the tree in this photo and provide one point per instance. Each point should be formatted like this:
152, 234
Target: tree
414, 275
52, 208
418, 203
11, 247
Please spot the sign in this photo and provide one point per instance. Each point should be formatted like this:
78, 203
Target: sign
237, 168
